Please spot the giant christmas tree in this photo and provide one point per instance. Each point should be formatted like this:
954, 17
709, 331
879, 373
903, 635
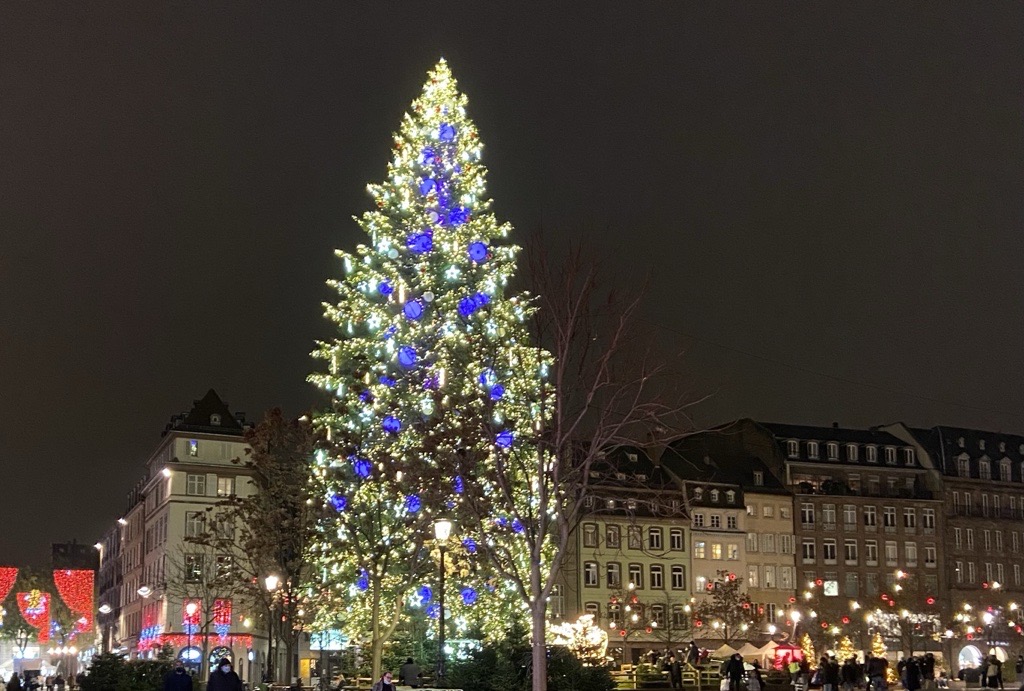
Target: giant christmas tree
430, 373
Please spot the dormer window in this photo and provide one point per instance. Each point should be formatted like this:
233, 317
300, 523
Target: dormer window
730, 497
1004, 470
1002, 447
758, 478
833, 451
812, 449
793, 448
698, 493
890, 456
964, 467
984, 469
215, 420
981, 444
714, 495
908, 457
851, 453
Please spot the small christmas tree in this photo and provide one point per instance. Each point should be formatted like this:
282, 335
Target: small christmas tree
877, 645
807, 647
846, 649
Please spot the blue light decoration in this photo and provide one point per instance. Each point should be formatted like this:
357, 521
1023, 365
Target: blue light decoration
427, 186
361, 466
458, 215
470, 545
363, 581
385, 288
478, 251
413, 310
433, 610
468, 596
458, 486
386, 380
222, 629
391, 424
446, 132
339, 502
365, 396
413, 503
467, 306
504, 439
425, 593
389, 332
482, 299
431, 383
428, 157
517, 525
488, 377
420, 243
501, 521
497, 392
407, 356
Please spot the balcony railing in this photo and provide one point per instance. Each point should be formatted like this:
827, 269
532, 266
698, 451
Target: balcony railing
838, 489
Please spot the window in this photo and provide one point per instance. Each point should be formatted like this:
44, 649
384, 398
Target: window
784, 512
732, 551
193, 568
675, 539
698, 493
769, 511
963, 467
768, 543
590, 574
786, 577
194, 523
984, 469
636, 575
1016, 574
812, 449
851, 452
984, 505
680, 619
195, 485
828, 551
635, 537
613, 536
716, 550
891, 556
678, 577
870, 516
910, 549
716, 520
889, 517
714, 495
699, 549
556, 602
698, 520
751, 509
908, 457
751, 542
890, 456
702, 583
654, 538
792, 448
730, 497
225, 566
758, 478
871, 552
730, 522
658, 614
929, 556
871, 584
215, 420
785, 544
852, 585
193, 448
909, 518
593, 609
850, 552
970, 538
769, 576
590, 535
807, 551
1016, 541
752, 576
928, 519
849, 514
987, 538
807, 514
871, 454
972, 572
828, 514
613, 574
958, 536
959, 572
832, 449
657, 576
989, 577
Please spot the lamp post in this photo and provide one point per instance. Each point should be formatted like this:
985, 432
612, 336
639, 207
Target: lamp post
271, 582
190, 609
442, 530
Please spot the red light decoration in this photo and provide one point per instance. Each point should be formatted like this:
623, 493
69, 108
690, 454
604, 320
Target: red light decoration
648, 629
885, 597
622, 632
614, 600
746, 605
698, 623
76, 588
8, 574
824, 624
732, 577
970, 636
985, 584
35, 610
818, 582
792, 600
846, 620
930, 601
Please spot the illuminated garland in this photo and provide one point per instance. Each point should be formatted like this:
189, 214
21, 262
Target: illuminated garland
222, 617
8, 574
156, 640
190, 623
35, 610
77, 588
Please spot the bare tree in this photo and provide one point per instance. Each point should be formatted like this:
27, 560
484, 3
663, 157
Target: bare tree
601, 393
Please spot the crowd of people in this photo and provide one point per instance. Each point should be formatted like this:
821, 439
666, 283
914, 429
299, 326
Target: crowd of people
52, 682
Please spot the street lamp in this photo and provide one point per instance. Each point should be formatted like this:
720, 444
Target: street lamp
442, 531
271, 582
190, 609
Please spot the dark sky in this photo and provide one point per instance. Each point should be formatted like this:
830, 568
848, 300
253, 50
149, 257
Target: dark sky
827, 196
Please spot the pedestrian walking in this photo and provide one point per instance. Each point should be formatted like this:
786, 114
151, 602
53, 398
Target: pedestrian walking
224, 678
178, 679
384, 683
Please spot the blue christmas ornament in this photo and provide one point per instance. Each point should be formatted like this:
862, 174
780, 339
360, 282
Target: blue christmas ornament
502, 521
467, 306
470, 545
413, 503
386, 380
497, 391
391, 424
425, 593
420, 243
504, 439
365, 396
431, 382
457, 485
482, 299
517, 525
468, 596
385, 288
446, 132
339, 502
407, 356
361, 466
433, 610
477, 251
389, 332
413, 310
458, 215
363, 582
427, 186
488, 377
427, 157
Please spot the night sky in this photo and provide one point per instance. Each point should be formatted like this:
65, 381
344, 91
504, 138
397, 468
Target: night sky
827, 200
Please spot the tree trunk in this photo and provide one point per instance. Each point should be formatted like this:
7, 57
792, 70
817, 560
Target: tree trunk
289, 649
538, 629
376, 644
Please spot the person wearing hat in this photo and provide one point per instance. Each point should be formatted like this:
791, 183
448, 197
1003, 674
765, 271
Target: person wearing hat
224, 678
178, 679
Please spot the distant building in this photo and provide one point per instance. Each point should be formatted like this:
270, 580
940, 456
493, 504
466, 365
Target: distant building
75, 556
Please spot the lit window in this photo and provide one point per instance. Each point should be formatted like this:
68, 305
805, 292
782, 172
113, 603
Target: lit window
193, 447
699, 549
590, 574
225, 486
589, 534
613, 571
758, 478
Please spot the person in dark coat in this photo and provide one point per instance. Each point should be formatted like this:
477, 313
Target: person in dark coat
829, 674
928, 671
692, 654
14, 683
178, 679
912, 674
224, 678
734, 672
675, 672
